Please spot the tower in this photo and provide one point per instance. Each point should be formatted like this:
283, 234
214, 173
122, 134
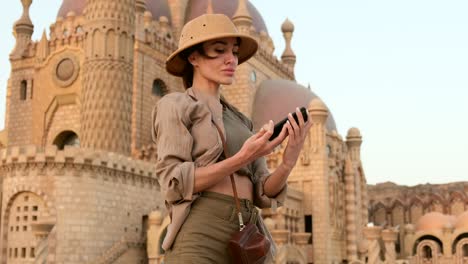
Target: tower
108, 75
318, 182
288, 56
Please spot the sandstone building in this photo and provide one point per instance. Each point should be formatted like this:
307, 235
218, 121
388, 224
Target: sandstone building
76, 164
432, 220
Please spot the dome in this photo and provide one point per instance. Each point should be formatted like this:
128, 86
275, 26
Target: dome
276, 98
157, 8
197, 8
354, 133
76, 6
287, 26
433, 221
462, 221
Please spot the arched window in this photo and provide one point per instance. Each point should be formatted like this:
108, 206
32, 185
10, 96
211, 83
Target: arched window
465, 250
427, 252
159, 88
66, 138
25, 211
23, 90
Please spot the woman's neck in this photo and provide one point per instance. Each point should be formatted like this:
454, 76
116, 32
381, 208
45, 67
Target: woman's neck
206, 86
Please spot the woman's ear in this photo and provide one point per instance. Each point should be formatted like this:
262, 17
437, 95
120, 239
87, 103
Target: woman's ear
192, 59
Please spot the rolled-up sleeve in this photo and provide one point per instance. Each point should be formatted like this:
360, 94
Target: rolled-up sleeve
261, 174
175, 168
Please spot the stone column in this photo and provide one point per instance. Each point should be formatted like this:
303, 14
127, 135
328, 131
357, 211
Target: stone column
389, 236
372, 234
155, 219
319, 195
350, 210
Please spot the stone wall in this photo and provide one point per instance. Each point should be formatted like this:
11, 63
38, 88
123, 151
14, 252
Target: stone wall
95, 199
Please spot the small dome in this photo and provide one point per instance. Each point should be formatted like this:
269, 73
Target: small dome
287, 26
317, 105
196, 8
353, 132
274, 99
462, 221
433, 221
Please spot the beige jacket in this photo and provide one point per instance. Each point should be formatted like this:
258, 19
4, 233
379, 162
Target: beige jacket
186, 138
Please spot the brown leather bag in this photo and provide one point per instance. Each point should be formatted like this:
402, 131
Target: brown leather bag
248, 245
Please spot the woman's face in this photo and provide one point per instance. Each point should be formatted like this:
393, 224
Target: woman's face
218, 64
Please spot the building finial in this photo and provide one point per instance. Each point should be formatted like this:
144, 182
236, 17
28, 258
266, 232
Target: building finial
140, 6
209, 8
242, 18
288, 56
43, 48
23, 30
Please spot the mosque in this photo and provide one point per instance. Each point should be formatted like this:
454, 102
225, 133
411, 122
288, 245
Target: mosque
77, 160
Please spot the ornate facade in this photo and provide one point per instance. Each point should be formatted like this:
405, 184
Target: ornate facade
431, 220
76, 164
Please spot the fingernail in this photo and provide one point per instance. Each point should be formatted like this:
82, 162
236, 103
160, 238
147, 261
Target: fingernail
297, 109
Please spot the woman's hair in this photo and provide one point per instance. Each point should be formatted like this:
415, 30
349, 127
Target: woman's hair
187, 76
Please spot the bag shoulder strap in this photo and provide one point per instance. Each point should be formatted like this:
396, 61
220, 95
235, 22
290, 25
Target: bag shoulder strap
233, 182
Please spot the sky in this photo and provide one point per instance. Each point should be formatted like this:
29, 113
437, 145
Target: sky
397, 70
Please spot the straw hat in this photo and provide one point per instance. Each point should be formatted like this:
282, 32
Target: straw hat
204, 28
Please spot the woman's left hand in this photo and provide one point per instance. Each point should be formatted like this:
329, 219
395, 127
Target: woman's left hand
297, 135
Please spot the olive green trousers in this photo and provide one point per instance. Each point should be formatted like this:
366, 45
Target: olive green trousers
204, 236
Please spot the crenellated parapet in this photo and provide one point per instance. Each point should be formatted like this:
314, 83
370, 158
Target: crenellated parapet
37, 161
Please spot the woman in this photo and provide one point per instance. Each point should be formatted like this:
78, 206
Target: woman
193, 173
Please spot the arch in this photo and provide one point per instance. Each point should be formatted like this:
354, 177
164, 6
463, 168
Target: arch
414, 212
98, 43
457, 203
49, 208
398, 213
379, 213
424, 240
23, 90
456, 194
432, 204
111, 43
66, 138
123, 45
159, 88
458, 241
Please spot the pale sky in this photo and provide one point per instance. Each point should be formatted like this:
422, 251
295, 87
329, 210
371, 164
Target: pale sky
397, 70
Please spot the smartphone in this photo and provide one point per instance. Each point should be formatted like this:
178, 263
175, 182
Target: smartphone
280, 124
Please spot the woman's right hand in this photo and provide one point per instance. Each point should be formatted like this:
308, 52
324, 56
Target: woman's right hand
258, 145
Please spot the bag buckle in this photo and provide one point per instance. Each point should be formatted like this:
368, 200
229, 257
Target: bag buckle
241, 222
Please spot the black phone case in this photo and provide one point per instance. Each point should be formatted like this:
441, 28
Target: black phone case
280, 124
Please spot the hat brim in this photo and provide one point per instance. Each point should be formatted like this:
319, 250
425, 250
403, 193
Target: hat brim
176, 65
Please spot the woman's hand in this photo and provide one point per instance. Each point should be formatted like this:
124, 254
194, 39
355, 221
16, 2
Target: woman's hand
297, 134
259, 145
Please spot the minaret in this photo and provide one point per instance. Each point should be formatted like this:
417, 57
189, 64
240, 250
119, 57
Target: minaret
242, 18
350, 211
354, 141
318, 195
107, 75
288, 56
23, 30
